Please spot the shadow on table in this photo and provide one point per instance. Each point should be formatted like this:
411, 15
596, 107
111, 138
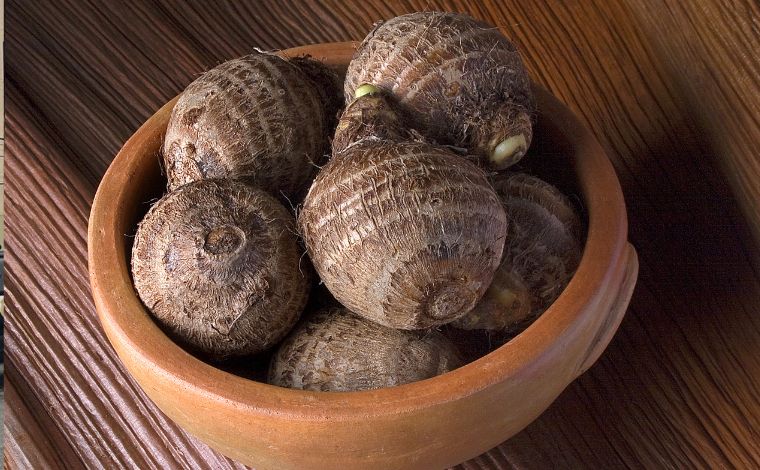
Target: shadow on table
688, 349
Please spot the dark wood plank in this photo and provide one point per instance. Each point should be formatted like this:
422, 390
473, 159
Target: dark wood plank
669, 88
31, 438
710, 57
53, 335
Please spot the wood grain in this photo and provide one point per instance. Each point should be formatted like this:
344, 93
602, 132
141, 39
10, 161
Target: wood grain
31, 438
710, 56
670, 89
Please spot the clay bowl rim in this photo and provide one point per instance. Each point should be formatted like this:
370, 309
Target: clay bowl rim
130, 328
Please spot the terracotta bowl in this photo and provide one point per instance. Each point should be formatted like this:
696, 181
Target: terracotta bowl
433, 423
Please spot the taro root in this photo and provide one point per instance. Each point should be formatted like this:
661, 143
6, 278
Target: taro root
542, 251
335, 350
406, 234
217, 263
369, 116
533, 189
458, 80
328, 85
257, 118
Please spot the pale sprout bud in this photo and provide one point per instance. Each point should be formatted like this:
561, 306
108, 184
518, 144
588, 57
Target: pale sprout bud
366, 89
511, 148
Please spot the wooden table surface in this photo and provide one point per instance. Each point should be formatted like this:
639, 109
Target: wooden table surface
670, 88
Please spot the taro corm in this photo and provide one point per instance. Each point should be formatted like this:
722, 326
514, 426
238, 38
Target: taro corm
217, 263
458, 80
402, 232
335, 350
258, 118
543, 249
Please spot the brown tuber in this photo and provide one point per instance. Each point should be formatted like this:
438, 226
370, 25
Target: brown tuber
334, 350
217, 263
328, 85
258, 118
458, 80
406, 234
541, 254
372, 116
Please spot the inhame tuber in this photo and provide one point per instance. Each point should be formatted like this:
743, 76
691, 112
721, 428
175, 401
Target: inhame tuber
257, 118
217, 263
406, 234
335, 350
459, 80
541, 254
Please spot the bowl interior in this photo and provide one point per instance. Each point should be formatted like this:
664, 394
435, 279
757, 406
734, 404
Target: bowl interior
563, 153
547, 158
